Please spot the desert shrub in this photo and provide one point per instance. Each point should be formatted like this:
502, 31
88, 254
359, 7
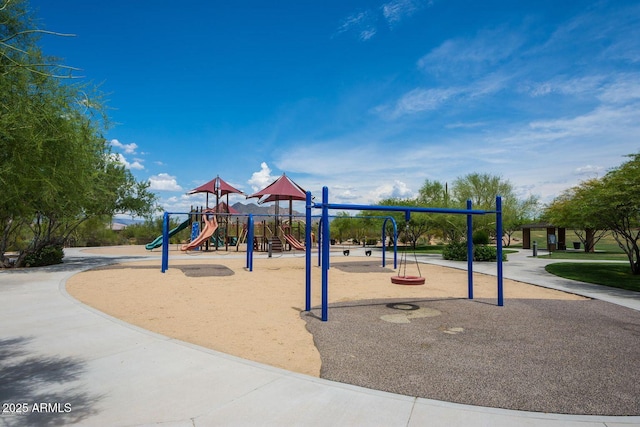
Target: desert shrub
48, 255
486, 253
455, 251
480, 237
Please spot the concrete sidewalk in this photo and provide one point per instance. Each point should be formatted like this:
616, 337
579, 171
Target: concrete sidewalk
66, 364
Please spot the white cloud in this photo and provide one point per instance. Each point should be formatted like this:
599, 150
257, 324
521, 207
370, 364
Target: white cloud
127, 148
625, 88
122, 160
365, 23
362, 23
262, 178
397, 189
592, 171
469, 56
397, 10
164, 182
423, 100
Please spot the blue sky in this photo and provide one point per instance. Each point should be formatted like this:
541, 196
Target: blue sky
369, 98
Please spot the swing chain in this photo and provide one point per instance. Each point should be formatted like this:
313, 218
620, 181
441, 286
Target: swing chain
404, 259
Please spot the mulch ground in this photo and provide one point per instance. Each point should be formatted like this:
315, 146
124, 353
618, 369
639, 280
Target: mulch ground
571, 357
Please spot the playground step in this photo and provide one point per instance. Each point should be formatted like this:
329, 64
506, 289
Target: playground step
276, 244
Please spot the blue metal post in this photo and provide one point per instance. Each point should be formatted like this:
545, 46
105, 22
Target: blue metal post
320, 239
325, 254
395, 244
395, 241
307, 252
499, 248
384, 242
250, 243
165, 242
469, 251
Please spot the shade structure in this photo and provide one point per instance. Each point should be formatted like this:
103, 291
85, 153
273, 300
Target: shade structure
282, 188
216, 186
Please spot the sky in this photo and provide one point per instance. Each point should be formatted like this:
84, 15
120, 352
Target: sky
369, 98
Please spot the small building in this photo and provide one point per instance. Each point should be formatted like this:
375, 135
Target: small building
556, 236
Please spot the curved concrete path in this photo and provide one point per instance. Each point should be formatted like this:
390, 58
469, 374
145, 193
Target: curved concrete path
69, 364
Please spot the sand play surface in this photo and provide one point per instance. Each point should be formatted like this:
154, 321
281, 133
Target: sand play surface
218, 304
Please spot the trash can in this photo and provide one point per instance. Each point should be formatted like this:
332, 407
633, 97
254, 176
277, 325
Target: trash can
576, 245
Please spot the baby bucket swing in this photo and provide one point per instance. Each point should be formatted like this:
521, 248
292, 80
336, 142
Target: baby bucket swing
404, 279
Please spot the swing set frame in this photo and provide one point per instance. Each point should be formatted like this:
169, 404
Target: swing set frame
324, 237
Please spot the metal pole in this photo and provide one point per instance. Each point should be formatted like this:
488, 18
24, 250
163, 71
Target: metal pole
307, 254
320, 228
165, 242
250, 243
395, 244
325, 254
469, 251
499, 249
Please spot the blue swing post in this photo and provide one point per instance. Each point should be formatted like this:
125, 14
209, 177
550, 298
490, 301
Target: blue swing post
499, 249
469, 251
165, 242
307, 253
250, 243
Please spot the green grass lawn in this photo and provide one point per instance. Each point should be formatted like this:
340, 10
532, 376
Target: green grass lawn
607, 274
591, 256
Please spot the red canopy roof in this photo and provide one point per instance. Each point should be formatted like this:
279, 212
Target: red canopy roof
282, 188
216, 186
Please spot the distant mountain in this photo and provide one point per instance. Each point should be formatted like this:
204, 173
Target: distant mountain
127, 220
255, 209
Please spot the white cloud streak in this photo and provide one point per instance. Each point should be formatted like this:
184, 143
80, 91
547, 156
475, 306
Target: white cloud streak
164, 182
123, 161
127, 148
365, 24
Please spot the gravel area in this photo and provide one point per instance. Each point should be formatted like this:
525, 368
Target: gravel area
570, 357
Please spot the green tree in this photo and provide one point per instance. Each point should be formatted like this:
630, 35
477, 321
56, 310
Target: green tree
614, 201
418, 225
56, 169
482, 190
517, 213
341, 227
433, 194
610, 203
572, 209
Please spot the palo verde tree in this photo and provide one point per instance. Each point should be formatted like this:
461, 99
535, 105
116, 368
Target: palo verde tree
610, 203
614, 203
418, 225
572, 209
434, 194
56, 169
482, 190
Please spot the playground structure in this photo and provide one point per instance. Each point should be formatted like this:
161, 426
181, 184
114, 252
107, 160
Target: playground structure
263, 233
210, 226
324, 242
325, 206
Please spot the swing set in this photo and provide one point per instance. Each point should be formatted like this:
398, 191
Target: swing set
404, 279
324, 237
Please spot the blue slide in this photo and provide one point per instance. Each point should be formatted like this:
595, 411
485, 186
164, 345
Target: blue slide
158, 241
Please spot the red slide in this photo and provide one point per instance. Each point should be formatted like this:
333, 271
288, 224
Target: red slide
210, 226
295, 243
